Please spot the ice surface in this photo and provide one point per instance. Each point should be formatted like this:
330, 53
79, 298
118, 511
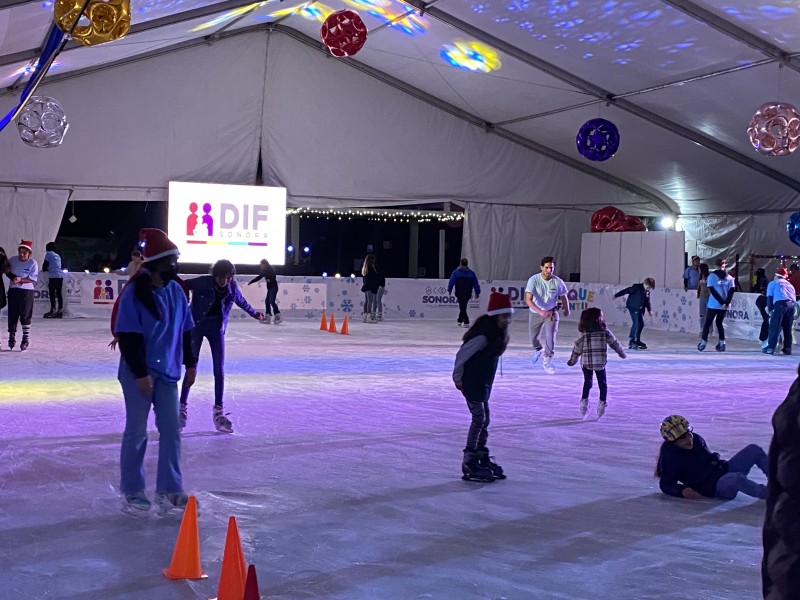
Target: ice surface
344, 470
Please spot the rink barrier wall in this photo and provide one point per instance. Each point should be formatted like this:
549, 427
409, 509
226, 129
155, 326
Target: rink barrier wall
304, 298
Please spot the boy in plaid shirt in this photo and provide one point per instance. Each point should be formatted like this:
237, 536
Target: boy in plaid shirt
591, 347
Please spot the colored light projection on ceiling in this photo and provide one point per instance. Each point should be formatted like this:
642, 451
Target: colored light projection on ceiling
402, 18
227, 16
470, 56
610, 30
763, 18
30, 69
313, 11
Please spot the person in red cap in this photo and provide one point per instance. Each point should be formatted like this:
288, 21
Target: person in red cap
24, 273
153, 325
780, 304
473, 375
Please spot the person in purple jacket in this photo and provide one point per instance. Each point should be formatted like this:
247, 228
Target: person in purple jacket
213, 297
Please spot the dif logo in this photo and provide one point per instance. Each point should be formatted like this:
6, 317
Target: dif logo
230, 221
517, 295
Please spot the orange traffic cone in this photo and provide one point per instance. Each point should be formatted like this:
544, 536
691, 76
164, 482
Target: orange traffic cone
251, 587
332, 326
234, 569
345, 328
186, 556
323, 325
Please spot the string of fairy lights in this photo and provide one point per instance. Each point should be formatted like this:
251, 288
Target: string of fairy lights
376, 214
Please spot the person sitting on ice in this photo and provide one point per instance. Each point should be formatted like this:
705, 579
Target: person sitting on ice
687, 469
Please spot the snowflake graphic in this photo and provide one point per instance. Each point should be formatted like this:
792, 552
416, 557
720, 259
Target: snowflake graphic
683, 300
412, 313
344, 292
285, 292
347, 306
306, 288
421, 315
308, 281
307, 299
310, 315
293, 306
316, 290
665, 317
330, 304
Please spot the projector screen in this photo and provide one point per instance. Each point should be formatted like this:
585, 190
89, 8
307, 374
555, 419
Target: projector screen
241, 223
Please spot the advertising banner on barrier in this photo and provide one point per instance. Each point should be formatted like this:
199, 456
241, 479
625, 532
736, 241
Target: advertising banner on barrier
93, 295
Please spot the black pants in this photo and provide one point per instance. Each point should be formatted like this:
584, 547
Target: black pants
713, 314
20, 308
271, 305
478, 404
601, 383
54, 287
462, 309
764, 333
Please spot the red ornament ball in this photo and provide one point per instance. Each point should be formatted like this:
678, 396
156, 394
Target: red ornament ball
607, 219
343, 33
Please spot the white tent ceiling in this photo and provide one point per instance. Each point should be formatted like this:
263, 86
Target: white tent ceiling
680, 79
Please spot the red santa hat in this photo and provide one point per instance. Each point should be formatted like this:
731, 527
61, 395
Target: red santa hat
28, 245
499, 304
155, 244
781, 272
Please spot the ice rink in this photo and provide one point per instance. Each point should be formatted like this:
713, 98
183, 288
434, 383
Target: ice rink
344, 470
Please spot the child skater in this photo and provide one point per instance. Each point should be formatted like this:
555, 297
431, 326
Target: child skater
591, 348
268, 275
687, 469
638, 301
473, 375
153, 325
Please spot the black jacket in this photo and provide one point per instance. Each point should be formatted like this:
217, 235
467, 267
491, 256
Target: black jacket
638, 297
780, 567
697, 468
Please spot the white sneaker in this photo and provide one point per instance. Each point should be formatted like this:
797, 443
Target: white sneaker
547, 365
267, 319
764, 344
601, 409
584, 406
535, 356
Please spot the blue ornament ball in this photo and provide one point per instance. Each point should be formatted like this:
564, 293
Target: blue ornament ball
793, 228
597, 139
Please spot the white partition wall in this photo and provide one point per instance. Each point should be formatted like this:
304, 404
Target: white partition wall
627, 257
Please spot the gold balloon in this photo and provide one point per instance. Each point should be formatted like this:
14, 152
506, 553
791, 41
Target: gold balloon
102, 21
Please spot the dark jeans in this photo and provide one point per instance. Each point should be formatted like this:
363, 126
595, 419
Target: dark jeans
54, 287
601, 383
462, 310
714, 314
781, 321
211, 329
20, 308
735, 480
272, 307
637, 324
764, 333
478, 404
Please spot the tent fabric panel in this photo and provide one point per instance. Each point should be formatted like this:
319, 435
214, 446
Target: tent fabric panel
190, 115
337, 133
508, 242
32, 214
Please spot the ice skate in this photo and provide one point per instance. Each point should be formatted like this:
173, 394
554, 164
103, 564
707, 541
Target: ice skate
786, 351
267, 320
59, 314
136, 503
632, 346
720, 347
473, 471
701, 345
171, 502
278, 318
584, 408
221, 422
547, 365
373, 319
537, 353
50, 314
183, 416
487, 461
12, 341
641, 345
23, 345
380, 317
601, 408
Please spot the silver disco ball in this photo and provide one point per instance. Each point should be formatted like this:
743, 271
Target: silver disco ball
42, 123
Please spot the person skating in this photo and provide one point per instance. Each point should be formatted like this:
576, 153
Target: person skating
464, 281
213, 297
780, 304
638, 301
268, 275
592, 349
55, 282
721, 288
153, 325
686, 468
473, 375
24, 273
545, 294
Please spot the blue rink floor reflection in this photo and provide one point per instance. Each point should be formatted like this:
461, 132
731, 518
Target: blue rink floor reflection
344, 470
